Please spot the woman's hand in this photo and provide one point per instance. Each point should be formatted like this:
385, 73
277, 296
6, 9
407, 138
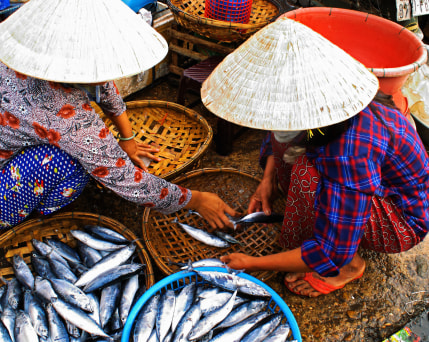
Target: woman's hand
212, 208
136, 151
239, 261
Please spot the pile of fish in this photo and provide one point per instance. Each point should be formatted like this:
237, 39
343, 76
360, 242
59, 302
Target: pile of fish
75, 294
224, 307
221, 239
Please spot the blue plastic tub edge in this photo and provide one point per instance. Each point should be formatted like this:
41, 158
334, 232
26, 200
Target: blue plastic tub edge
185, 274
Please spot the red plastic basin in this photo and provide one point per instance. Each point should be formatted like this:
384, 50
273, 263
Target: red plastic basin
388, 49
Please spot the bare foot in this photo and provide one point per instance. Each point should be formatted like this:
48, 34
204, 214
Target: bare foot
312, 285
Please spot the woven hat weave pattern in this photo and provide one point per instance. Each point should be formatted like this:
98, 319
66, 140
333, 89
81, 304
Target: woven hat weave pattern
79, 41
288, 77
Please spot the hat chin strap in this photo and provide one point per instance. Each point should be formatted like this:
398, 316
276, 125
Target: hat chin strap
285, 136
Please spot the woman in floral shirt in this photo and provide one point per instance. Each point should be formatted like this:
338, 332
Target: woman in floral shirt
52, 141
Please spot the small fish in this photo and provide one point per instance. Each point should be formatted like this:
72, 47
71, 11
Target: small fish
243, 311
202, 235
8, 318
258, 217
13, 295
37, 315
88, 255
64, 250
22, 272
108, 301
280, 334
209, 321
237, 331
129, 291
145, 321
57, 329
209, 262
41, 266
187, 323
184, 300
72, 294
47, 251
95, 243
118, 274
106, 234
43, 288
263, 328
109, 262
164, 314
24, 330
77, 317
62, 271
228, 237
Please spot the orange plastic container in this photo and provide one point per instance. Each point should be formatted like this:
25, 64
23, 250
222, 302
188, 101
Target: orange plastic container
386, 48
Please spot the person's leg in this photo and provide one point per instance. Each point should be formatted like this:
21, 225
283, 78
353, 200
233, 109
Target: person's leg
41, 177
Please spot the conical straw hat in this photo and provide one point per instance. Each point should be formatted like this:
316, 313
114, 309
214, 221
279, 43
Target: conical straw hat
79, 41
288, 77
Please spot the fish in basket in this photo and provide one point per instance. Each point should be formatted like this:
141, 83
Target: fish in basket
72, 292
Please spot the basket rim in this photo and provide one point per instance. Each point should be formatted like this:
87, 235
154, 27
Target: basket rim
189, 113
12, 232
224, 24
175, 277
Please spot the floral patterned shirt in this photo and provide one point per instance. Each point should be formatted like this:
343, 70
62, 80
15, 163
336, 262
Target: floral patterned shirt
34, 112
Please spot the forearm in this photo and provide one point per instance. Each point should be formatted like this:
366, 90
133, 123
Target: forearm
123, 125
289, 261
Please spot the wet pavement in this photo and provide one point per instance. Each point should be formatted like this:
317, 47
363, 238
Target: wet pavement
393, 291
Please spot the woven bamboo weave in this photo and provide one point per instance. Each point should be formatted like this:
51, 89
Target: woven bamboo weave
168, 244
190, 14
181, 134
18, 239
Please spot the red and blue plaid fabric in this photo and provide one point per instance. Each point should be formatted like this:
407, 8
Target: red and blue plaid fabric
368, 160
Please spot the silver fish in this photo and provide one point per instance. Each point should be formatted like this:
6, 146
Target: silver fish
209, 321
94, 242
24, 330
22, 272
88, 255
8, 318
215, 302
202, 235
64, 250
57, 329
47, 251
206, 292
108, 302
78, 317
231, 282
13, 295
73, 330
62, 271
209, 262
72, 294
128, 294
263, 328
95, 304
41, 266
106, 234
37, 315
228, 237
242, 311
115, 321
184, 300
258, 217
43, 288
280, 334
236, 332
109, 262
187, 323
145, 320
164, 315
4, 333
107, 278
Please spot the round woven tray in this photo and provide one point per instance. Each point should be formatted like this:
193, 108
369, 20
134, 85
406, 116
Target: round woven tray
190, 14
18, 239
168, 244
181, 133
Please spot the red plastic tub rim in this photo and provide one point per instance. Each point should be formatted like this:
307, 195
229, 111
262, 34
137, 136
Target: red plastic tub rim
317, 19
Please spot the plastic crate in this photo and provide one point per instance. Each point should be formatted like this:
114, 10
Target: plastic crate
237, 11
178, 280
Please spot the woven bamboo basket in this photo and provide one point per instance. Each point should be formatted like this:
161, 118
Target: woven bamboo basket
169, 245
182, 134
190, 14
18, 239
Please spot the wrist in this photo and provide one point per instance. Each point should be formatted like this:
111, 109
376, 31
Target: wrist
121, 138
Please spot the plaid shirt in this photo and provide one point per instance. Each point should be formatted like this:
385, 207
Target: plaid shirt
364, 161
